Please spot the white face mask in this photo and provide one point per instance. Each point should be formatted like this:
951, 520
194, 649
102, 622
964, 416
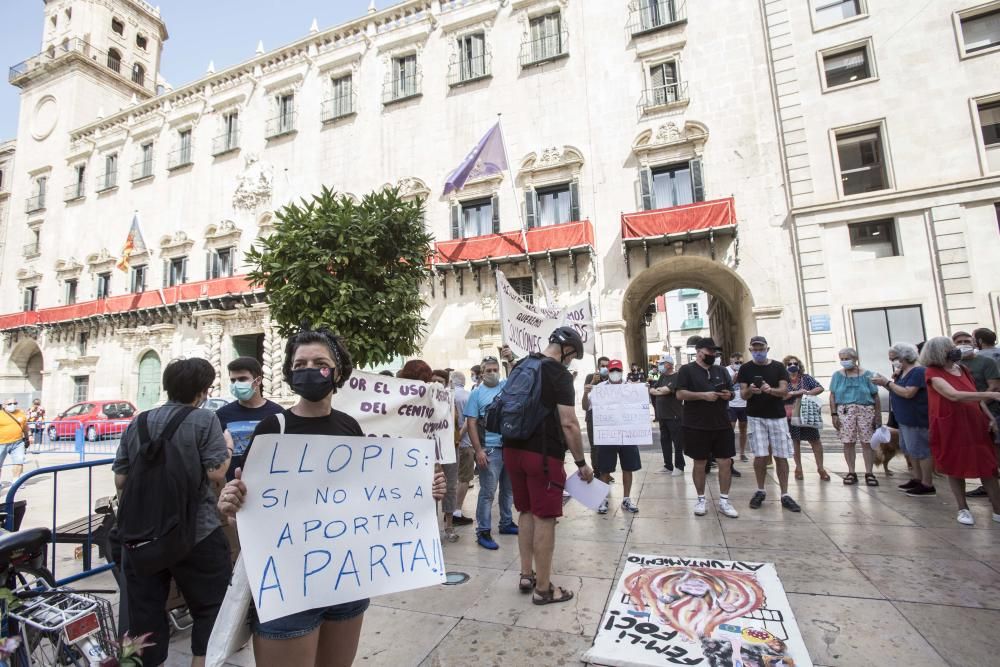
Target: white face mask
967, 351
491, 379
615, 376
10, 407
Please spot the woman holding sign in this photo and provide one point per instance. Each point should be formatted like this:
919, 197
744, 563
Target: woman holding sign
316, 364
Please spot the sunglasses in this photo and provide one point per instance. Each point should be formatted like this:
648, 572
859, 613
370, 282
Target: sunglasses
488, 360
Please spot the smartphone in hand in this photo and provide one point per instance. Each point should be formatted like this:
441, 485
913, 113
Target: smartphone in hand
758, 381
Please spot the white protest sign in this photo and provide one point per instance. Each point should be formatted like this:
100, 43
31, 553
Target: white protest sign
331, 519
669, 610
388, 406
526, 327
621, 414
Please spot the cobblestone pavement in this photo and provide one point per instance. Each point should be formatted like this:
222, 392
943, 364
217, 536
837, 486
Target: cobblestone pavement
874, 577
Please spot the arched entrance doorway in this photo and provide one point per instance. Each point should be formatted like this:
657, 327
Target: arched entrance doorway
730, 304
149, 381
25, 366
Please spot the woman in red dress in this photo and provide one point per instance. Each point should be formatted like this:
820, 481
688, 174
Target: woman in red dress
960, 425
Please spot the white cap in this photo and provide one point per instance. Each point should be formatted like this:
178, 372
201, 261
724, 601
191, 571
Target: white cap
666, 359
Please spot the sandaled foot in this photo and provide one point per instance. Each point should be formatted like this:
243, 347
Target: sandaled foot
870, 479
824, 475
552, 596
798, 474
527, 583
851, 478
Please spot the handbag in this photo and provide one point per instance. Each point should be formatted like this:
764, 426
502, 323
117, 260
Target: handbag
808, 412
231, 631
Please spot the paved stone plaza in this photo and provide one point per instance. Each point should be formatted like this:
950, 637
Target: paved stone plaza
874, 577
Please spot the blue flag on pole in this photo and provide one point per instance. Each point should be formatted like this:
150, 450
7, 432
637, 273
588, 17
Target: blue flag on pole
488, 157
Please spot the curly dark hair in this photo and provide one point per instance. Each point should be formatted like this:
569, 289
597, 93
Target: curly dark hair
416, 369
336, 345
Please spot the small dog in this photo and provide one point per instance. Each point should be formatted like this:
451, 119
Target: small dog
887, 451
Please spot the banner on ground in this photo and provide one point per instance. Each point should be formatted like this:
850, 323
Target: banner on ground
669, 610
621, 414
527, 327
393, 407
330, 519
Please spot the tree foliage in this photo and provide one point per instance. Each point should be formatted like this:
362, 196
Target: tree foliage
356, 268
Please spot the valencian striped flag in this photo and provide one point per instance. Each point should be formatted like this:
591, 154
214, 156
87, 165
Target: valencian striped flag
488, 157
133, 243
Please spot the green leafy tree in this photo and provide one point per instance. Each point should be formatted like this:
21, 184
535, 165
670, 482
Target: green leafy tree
356, 268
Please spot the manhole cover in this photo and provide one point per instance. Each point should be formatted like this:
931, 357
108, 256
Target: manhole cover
455, 578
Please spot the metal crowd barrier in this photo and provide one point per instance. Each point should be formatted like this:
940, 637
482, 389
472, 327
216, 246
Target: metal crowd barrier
82, 438
80, 531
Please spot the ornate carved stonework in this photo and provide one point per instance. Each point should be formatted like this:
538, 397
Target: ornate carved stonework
250, 320
410, 187
213, 328
552, 158
669, 134
176, 245
67, 269
274, 347
101, 262
254, 186
28, 276
224, 234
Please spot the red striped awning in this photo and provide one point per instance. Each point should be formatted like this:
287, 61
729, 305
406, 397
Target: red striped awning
679, 219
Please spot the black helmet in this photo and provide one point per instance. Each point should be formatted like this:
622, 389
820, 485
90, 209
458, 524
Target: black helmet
568, 336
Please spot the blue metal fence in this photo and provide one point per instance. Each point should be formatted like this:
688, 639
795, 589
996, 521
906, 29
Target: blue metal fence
92, 522
82, 438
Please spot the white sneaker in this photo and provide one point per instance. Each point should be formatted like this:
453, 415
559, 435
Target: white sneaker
966, 519
603, 509
700, 507
630, 506
996, 517
665, 470
727, 508
676, 472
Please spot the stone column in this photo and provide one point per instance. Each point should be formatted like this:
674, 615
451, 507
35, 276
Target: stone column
213, 332
274, 357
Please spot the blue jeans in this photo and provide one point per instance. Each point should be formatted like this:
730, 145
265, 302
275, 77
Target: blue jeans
489, 477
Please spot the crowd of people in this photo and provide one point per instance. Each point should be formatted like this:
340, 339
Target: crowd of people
944, 402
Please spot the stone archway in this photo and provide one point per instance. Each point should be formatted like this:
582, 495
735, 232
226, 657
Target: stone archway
25, 367
731, 315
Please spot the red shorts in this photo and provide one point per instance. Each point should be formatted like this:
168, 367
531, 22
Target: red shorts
534, 491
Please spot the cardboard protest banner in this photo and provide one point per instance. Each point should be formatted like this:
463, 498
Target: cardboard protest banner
388, 406
330, 519
527, 327
621, 414
669, 610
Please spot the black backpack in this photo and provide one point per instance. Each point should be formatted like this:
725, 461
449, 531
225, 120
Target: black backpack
518, 411
159, 504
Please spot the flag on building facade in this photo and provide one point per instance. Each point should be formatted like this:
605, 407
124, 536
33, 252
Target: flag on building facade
133, 243
488, 157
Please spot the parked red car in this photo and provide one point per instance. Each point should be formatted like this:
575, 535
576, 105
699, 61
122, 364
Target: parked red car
100, 419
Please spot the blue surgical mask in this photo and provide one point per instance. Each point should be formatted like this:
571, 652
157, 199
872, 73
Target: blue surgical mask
604, 372
243, 391
759, 357
662, 368
847, 363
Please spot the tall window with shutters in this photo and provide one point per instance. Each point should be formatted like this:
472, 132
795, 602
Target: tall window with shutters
472, 56
552, 205
478, 217
663, 78
175, 271
404, 76
546, 36
672, 185
219, 263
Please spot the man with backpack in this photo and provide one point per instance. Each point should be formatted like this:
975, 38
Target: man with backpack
536, 416
167, 464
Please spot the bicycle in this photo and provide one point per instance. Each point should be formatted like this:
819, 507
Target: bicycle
56, 625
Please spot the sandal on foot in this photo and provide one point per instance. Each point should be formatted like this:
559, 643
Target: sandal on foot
870, 479
798, 474
851, 478
824, 475
527, 583
550, 597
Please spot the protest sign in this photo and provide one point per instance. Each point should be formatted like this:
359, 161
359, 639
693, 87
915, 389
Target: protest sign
527, 327
696, 611
331, 519
621, 414
388, 406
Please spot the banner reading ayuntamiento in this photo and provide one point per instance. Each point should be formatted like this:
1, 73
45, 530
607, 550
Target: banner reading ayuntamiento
331, 519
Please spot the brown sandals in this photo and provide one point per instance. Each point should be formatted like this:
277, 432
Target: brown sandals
527, 583
550, 597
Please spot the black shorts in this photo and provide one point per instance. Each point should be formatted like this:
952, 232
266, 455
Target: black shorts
737, 414
608, 456
702, 445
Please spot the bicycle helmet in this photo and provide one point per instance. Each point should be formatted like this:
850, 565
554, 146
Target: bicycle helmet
568, 336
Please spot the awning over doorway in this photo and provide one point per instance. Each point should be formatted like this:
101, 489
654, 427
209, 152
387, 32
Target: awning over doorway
680, 220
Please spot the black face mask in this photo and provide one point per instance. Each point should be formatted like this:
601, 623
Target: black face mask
709, 359
954, 354
311, 383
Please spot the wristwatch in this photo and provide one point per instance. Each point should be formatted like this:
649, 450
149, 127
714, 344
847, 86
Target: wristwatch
581, 463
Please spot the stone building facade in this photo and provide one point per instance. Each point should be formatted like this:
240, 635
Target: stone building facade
654, 145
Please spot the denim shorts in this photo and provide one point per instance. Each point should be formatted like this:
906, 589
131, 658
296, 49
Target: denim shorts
16, 452
915, 441
304, 622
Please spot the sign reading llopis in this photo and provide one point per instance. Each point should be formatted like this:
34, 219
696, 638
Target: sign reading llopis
526, 327
670, 610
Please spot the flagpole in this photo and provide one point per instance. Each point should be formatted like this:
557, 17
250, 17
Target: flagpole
513, 186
